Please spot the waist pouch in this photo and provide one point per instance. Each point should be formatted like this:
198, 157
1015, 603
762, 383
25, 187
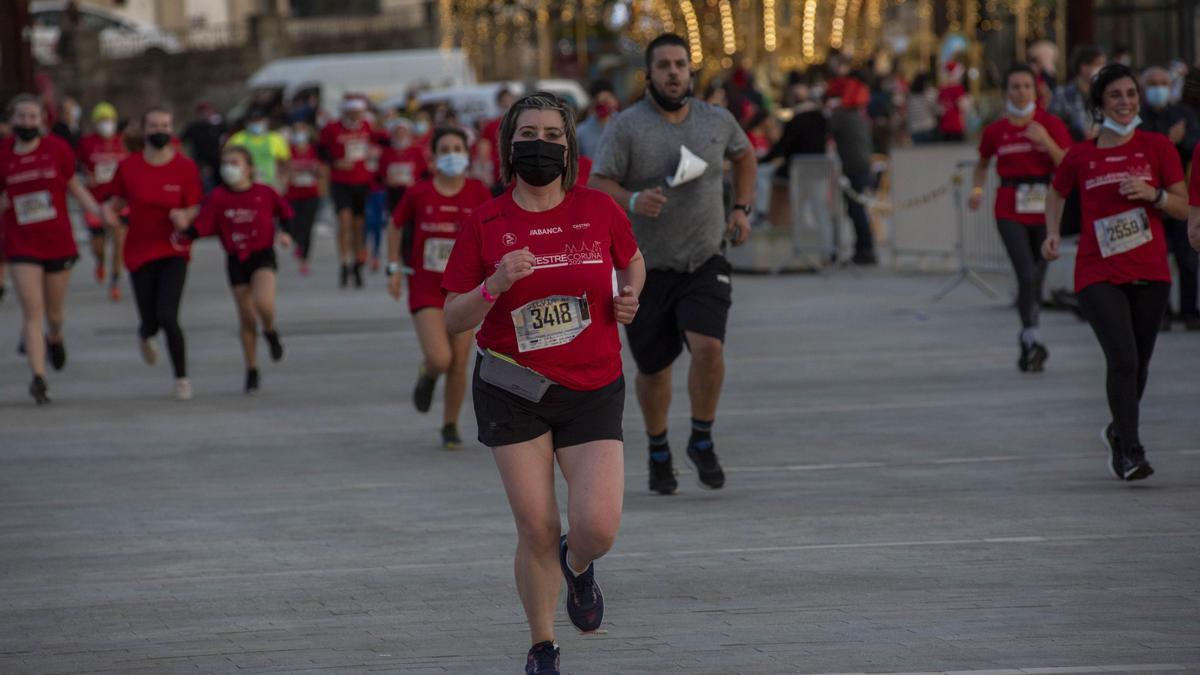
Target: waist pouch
501, 371
1025, 180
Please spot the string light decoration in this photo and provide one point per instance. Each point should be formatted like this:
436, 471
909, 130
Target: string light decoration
666, 17
808, 46
769, 42
838, 29
693, 28
728, 32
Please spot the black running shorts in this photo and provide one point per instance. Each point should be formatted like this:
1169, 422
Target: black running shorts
572, 417
241, 272
51, 266
674, 302
352, 197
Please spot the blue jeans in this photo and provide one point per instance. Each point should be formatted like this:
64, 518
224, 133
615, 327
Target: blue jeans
375, 220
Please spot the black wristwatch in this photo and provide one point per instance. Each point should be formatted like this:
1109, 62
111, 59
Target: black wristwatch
744, 208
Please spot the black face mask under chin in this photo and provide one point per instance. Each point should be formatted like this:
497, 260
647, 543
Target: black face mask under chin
670, 105
539, 162
26, 134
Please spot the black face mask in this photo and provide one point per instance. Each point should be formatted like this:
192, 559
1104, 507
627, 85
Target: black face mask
539, 162
670, 105
158, 140
26, 133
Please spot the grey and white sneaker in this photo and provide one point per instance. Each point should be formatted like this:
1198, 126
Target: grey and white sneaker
149, 351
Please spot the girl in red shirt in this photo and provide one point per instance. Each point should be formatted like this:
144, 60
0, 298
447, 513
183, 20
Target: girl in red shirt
536, 265
1027, 144
243, 213
1127, 179
305, 175
36, 173
429, 215
100, 152
162, 190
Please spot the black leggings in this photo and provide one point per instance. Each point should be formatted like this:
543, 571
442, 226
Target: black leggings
158, 286
1125, 319
1024, 245
302, 224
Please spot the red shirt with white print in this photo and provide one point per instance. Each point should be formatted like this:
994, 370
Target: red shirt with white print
1018, 157
559, 320
152, 191
304, 173
100, 156
245, 220
402, 168
36, 224
342, 142
1121, 240
435, 220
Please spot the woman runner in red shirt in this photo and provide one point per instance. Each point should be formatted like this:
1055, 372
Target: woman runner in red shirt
429, 215
243, 213
1027, 144
162, 189
1126, 180
536, 266
100, 152
36, 173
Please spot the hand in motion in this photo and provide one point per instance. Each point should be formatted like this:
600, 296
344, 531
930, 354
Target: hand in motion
649, 203
179, 218
396, 285
1050, 247
1135, 189
975, 200
514, 266
738, 227
284, 239
626, 306
1038, 134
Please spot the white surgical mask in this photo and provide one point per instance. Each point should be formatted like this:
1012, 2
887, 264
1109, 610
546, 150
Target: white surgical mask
421, 127
452, 163
300, 138
1025, 111
106, 128
256, 128
1121, 129
232, 174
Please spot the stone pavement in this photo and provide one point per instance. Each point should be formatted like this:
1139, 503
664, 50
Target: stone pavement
900, 498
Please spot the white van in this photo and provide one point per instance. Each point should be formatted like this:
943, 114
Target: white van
478, 102
379, 75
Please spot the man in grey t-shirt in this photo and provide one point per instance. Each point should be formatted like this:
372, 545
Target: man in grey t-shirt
680, 226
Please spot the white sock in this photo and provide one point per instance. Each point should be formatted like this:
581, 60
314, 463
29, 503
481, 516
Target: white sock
1031, 336
572, 567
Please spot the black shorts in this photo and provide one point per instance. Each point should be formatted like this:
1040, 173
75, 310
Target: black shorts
241, 272
572, 417
353, 197
51, 266
674, 302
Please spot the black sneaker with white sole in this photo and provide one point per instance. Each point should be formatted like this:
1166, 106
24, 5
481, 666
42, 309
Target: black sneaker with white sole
1116, 459
585, 601
708, 468
662, 476
1136, 466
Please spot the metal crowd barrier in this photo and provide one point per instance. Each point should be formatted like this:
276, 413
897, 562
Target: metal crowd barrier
978, 247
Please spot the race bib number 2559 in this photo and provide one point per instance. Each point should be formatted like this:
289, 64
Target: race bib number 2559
1123, 232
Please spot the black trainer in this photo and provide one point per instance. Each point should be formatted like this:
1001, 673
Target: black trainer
273, 342
1037, 357
39, 391
542, 659
662, 477
344, 276
57, 353
1136, 466
1116, 459
585, 601
450, 438
704, 459
252, 381
423, 392
358, 277
1023, 361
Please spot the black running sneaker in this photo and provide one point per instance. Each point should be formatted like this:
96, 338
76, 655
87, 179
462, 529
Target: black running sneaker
39, 391
1037, 357
358, 277
1023, 361
57, 353
344, 276
1136, 466
585, 602
423, 392
450, 438
1116, 459
273, 342
704, 459
252, 381
542, 659
662, 477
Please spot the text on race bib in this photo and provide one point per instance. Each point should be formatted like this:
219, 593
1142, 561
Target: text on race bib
104, 172
356, 151
400, 175
303, 179
1031, 198
35, 207
1123, 232
437, 254
550, 322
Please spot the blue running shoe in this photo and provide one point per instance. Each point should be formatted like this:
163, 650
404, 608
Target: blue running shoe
585, 601
542, 659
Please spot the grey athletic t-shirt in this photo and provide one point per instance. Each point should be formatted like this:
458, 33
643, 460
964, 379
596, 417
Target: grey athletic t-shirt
640, 149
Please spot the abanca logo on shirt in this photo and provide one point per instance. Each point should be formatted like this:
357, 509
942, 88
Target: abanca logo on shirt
542, 231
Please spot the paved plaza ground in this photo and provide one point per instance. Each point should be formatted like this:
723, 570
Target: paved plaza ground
900, 499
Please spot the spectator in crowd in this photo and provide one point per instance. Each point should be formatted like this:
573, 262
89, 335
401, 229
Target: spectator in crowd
922, 114
1071, 99
1042, 56
851, 132
1122, 55
488, 149
1178, 123
66, 126
955, 103
714, 94
604, 106
203, 139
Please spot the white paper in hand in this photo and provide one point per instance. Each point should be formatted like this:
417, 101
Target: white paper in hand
690, 168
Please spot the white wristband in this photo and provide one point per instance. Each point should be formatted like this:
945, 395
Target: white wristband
1161, 202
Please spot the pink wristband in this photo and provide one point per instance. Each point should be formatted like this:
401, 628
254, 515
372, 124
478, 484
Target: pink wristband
484, 292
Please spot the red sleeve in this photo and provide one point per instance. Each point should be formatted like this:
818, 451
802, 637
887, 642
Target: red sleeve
987, 142
1194, 189
1065, 176
406, 209
206, 221
464, 270
1170, 167
193, 189
624, 245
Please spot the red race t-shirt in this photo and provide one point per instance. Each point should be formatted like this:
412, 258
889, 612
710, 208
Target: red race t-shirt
341, 142
1194, 185
559, 320
1121, 240
952, 117
36, 224
245, 220
402, 168
304, 174
1018, 157
152, 192
491, 131
436, 220
100, 156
